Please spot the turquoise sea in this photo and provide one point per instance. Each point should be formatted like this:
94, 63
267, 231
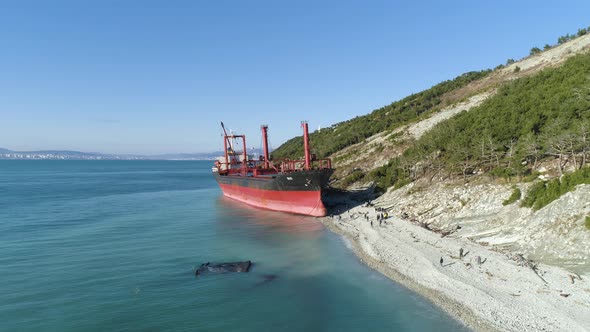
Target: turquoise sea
112, 246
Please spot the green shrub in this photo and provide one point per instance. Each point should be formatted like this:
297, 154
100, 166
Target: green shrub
503, 172
543, 193
564, 39
516, 69
532, 176
535, 191
587, 223
516, 194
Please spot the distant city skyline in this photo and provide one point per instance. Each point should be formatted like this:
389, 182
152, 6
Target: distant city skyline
154, 77
85, 155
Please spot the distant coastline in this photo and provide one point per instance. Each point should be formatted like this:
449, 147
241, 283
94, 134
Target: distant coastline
77, 155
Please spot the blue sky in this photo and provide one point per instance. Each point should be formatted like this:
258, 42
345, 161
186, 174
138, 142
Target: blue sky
153, 77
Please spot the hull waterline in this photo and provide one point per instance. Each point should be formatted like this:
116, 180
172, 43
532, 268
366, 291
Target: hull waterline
299, 193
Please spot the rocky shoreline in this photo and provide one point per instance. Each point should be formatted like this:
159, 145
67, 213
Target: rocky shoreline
488, 287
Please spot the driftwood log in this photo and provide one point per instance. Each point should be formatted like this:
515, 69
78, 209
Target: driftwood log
521, 261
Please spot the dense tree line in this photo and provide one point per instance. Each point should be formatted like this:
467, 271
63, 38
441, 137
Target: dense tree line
329, 140
533, 118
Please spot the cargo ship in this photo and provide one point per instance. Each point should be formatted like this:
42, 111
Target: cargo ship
294, 186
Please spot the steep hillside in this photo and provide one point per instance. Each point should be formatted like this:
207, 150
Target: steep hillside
528, 120
362, 144
486, 195
505, 167
353, 162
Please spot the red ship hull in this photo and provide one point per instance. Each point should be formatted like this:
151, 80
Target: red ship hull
297, 192
298, 202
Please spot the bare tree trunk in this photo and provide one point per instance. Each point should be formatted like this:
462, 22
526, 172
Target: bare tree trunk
584, 148
573, 152
560, 165
510, 153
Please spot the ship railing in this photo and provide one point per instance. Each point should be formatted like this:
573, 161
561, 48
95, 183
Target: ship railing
285, 165
299, 165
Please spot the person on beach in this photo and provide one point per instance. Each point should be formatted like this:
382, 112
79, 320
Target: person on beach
441, 261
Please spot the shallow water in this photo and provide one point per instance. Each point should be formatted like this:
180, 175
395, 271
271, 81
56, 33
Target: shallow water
112, 245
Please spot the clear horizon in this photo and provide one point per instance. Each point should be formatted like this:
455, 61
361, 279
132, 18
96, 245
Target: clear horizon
106, 153
150, 77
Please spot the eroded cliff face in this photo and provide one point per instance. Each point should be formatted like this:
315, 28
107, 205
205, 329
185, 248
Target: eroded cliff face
554, 235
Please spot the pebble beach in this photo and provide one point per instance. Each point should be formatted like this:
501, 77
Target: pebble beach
486, 289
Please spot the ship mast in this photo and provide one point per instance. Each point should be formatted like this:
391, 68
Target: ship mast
227, 143
306, 145
265, 144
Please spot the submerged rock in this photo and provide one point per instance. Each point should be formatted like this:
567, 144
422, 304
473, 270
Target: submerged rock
223, 267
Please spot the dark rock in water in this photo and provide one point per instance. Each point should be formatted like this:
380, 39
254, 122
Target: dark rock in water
223, 267
266, 278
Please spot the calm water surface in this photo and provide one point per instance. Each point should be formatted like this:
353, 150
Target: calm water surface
112, 246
